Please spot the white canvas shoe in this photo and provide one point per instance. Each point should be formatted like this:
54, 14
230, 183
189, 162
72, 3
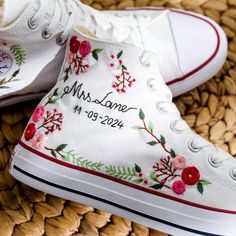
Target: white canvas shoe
108, 135
190, 48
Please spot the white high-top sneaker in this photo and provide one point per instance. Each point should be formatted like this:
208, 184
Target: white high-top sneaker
190, 48
109, 135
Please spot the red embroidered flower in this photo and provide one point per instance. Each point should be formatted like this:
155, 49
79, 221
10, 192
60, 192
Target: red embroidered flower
84, 48
74, 44
178, 187
38, 113
190, 175
30, 131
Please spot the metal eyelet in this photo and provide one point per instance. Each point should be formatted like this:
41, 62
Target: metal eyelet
31, 23
159, 108
45, 33
191, 148
149, 83
172, 127
212, 162
59, 40
141, 60
232, 173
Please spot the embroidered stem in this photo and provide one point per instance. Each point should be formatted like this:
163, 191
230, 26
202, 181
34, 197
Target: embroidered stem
52, 121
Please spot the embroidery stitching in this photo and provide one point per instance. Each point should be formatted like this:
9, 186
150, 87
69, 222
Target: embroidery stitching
20, 58
123, 78
77, 57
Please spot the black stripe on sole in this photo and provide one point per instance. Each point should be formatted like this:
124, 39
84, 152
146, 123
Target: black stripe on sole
113, 204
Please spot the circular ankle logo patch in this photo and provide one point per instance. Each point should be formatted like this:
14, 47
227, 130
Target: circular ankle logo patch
5, 62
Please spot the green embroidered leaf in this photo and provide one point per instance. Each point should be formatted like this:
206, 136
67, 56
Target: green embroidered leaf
172, 153
150, 126
98, 50
55, 93
153, 177
87, 163
119, 54
2, 81
95, 53
137, 181
124, 67
54, 154
137, 168
152, 143
141, 114
204, 182
16, 73
163, 140
156, 186
200, 187
121, 172
19, 54
61, 147
137, 127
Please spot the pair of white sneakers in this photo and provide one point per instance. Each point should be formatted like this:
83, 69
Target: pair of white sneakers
108, 134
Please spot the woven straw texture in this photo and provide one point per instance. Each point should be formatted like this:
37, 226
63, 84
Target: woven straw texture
210, 110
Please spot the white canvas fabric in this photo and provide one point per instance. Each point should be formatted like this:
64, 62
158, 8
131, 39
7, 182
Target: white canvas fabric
190, 48
109, 135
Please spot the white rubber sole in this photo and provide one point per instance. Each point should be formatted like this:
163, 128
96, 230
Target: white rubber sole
155, 212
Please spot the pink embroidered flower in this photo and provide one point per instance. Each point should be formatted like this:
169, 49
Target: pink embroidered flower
179, 162
74, 44
178, 187
84, 48
38, 113
30, 131
70, 58
190, 175
38, 140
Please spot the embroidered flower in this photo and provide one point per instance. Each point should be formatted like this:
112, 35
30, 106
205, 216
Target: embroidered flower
74, 44
70, 57
38, 140
30, 131
190, 175
38, 113
178, 187
179, 162
84, 48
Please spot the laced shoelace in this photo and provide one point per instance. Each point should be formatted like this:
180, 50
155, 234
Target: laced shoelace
67, 13
165, 105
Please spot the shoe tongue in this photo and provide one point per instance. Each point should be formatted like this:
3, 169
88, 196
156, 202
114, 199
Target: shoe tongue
11, 10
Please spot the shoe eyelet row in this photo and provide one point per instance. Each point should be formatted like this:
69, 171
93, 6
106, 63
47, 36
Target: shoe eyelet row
45, 33
59, 40
232, 173
172, 127
149, 84
192, 148
31, 23
213, 163
141, 60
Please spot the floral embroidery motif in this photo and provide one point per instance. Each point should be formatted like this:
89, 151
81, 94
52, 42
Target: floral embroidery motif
172, 166
123, 78
77, 57
73, 157
6, 63
43, 123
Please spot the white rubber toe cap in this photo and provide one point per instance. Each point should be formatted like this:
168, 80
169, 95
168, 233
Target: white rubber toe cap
208, 46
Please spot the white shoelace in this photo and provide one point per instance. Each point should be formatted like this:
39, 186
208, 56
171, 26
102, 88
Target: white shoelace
67, 13
165, 105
